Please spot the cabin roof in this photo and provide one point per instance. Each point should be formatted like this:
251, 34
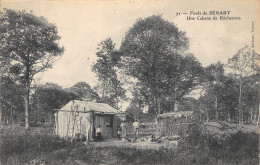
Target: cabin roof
87, 106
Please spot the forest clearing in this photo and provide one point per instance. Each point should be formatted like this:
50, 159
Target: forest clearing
129, 82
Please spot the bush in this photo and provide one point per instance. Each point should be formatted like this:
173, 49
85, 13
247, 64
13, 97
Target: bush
199, 148
231, 146
28, 146
144, 156
242, 145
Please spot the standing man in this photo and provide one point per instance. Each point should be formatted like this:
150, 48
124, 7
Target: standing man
136, 127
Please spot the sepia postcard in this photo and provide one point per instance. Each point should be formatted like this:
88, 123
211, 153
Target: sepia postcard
129, 82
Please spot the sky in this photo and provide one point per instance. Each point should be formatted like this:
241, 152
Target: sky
83, 24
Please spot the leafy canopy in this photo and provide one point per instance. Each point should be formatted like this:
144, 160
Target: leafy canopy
106, 68
28, 43
153, 51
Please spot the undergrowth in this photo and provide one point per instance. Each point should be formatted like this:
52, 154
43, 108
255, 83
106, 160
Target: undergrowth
198, 148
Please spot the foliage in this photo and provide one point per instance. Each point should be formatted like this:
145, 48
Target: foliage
50, 96
153, 53
188, 104
29, 146
222, 97
223, 93
137, 104
199, 148
84, 91
106, 68
244, 64
29, 41
133, 111
29, 45
251, 90
236, 145
12, 100
214, 82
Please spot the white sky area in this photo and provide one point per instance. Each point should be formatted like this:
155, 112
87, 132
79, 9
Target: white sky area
83, 24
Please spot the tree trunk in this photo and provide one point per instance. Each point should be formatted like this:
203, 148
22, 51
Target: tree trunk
255, 113
229, 118
258, 115
26, 98
216, 109
240, 119
157, 109
159, 106
207, 115
242, 116
19, 118
117, 100
15, 116
37, 114
4, 117
0, 120
12, 116
157, 100
251, 115
103, 88
1, 111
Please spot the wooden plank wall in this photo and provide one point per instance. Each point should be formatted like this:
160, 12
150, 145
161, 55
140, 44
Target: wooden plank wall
106, 131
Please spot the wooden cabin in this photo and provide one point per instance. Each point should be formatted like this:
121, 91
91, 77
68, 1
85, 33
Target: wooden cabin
76, 116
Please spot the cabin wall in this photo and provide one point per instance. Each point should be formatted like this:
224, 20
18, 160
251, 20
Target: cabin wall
62, 124
106, 122
116, 121
83, 123
109, 124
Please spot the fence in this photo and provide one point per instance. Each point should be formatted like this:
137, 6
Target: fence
175, 123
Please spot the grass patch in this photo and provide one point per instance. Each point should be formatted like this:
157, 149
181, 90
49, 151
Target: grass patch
25, 147
197, 149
